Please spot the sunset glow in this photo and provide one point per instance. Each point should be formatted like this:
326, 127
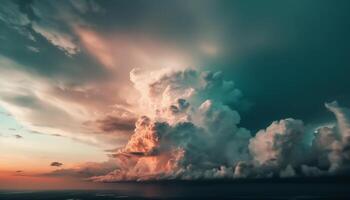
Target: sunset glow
93, 93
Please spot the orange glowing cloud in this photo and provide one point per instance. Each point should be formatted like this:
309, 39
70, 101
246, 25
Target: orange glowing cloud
97, 47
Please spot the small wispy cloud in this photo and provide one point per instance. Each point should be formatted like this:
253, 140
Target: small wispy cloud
17, 136
56, 164
33, 49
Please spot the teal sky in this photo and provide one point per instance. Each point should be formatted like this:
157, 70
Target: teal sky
287, 57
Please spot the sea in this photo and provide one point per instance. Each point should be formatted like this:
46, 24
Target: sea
286, 189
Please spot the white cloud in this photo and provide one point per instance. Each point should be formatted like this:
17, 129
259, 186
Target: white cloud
33, 49
57, 30
280, 144
63, 41
190, 133
47, 106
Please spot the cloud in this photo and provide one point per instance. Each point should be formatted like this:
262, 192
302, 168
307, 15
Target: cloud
85, 170
54, 21
39, 133
61, 40
343, 119
29, 102
17, 136
33, 49
11, 15
25, 17
188, 122
280, 144
333, 143
112, 124
187, 128
192, 133
75, 89
56, 164
290, 154
54, 107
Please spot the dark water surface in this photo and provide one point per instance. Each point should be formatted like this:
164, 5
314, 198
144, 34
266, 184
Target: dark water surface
291, 189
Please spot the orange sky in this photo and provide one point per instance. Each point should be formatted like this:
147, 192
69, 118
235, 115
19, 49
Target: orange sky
11, 181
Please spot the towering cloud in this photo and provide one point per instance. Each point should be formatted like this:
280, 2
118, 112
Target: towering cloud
332, 144
280, 144
187, 129
190, 131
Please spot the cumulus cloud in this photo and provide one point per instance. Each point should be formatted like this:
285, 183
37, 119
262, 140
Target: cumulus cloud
190, 132
332, 144
283, 149
343, 119
280, 144
186, 129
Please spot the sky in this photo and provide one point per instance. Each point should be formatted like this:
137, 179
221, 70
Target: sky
131, 90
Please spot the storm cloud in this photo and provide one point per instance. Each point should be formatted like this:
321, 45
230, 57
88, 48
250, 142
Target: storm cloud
188, 129
193, 134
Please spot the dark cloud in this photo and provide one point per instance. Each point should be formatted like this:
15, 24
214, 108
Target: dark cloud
112, 124
112, 150
85, 170
56, 164
22, 28
18, 136
67, 172
40, 133
35, 132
